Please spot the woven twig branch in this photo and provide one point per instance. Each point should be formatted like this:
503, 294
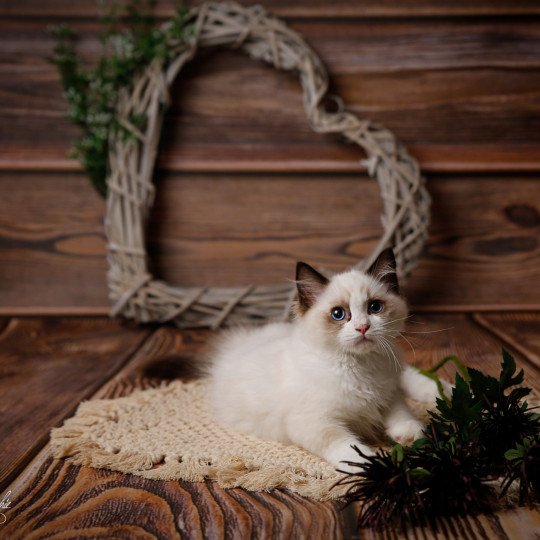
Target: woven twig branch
134, 292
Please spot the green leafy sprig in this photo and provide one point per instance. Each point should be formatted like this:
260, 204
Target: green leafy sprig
524, 467
482, 432
130, 43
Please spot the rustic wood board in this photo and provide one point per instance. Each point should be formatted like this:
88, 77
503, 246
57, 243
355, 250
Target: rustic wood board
57, 499
53, 253
299, 8
47, 366
82, 502
516, 524
462, 94
518, 330
230, 230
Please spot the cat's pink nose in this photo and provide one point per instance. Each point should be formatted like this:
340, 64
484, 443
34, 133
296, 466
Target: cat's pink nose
363, 328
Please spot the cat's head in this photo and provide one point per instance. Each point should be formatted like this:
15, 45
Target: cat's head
355, 311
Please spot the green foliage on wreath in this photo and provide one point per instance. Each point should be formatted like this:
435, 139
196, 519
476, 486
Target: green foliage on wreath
483, 432
130, 42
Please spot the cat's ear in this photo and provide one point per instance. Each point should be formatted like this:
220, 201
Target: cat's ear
310, 285
384, 270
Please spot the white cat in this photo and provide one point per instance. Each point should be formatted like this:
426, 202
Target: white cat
330, 379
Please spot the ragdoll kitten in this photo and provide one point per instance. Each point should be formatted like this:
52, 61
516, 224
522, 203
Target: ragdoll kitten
330, 379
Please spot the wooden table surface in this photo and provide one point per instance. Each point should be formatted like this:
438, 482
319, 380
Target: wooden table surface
49, 364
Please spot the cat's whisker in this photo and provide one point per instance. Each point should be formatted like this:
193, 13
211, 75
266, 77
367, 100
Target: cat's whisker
386, 333
383, 342
410, 345
386, 323
388, 347
428, 331
384, 345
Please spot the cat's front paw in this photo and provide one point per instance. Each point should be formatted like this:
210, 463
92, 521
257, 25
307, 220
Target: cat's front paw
406, 432
341, 454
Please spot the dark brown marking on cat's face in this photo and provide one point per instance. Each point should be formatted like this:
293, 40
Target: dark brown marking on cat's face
384, 270
310, 284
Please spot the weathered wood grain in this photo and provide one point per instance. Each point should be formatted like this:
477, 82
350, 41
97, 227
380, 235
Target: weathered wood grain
516, 524
483, 240
52, 242
233, 230
522, 523
462, 95
519, 330
46, 367
54, 498
299, 8
81, 502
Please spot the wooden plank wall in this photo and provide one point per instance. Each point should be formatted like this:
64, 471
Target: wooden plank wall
245, 188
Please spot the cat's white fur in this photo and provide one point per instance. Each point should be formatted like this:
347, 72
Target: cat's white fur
318, 383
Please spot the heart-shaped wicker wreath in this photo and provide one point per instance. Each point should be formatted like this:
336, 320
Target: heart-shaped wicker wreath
133, 290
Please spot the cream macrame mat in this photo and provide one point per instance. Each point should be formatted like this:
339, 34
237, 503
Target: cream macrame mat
167, 433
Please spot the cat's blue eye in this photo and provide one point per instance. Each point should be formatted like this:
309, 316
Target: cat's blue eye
375, 306
338, 313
